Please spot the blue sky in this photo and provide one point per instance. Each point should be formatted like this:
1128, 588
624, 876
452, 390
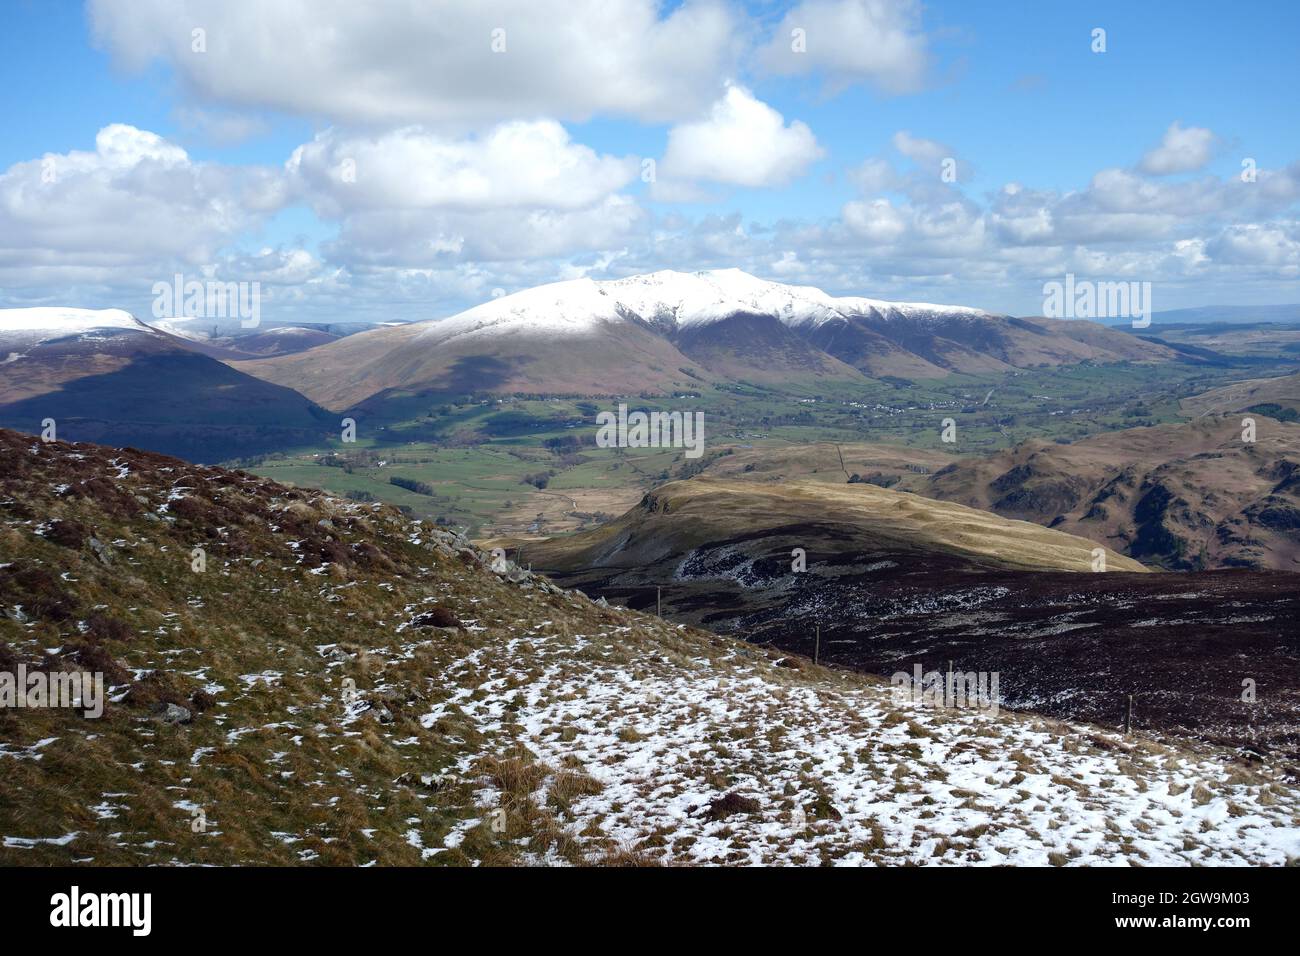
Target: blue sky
787, 166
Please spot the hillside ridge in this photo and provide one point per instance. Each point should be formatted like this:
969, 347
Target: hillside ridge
432, 703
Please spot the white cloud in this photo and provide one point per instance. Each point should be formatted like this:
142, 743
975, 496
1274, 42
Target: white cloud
1181, 150
1274, 246
932, 160
417, 199
398, 63
924, 152
875, 220
529, 164
879, 42
438, 238
136, 202
743, 142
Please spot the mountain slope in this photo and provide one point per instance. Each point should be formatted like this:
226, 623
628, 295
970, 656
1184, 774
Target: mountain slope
105, 376
661, 331
362, 689
1278, 396
940, 589
1185, 496
700, 520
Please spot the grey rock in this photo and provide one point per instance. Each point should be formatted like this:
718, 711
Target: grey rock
102, 551
172, 714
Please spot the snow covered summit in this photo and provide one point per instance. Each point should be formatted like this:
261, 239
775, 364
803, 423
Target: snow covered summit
44, 323
676, 300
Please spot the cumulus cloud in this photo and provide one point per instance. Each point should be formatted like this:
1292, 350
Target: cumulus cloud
436, 238
137, 201
877, 42
875, 220
1274, 246
414, 198
742, 142
932, 159
429, 222
521, 163
453, 61
1181, 150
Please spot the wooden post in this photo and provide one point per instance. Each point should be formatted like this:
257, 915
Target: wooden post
659, 601
1128, 716
817, 648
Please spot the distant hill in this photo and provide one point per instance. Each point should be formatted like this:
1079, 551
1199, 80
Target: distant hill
228, 340
105, 376
1182, 496
1277, 397
1284, 314
704, 519
669, 331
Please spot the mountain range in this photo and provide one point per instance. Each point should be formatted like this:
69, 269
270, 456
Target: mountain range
669, 331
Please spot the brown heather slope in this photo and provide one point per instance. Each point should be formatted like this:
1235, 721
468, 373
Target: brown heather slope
139, 386
1184, 496
833, 462
370, 366
363, 689
891, 342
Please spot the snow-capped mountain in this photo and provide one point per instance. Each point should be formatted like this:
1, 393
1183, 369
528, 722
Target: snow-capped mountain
668, 331
673, 301
51, 323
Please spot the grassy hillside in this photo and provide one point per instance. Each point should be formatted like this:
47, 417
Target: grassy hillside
348, 686
681, 516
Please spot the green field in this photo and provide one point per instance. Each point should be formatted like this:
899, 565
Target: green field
473, 459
